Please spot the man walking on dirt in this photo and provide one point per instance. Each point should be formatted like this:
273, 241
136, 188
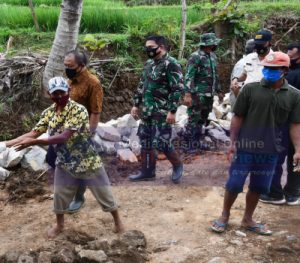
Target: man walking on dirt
158, 95
85, 88
201, 84
290, 194
261, 110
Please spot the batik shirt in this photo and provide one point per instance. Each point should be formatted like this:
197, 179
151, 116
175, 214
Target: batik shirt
77, 155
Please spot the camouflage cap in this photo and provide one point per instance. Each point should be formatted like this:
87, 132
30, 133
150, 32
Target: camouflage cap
209, 39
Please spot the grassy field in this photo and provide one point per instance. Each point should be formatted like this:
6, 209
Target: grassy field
113, 16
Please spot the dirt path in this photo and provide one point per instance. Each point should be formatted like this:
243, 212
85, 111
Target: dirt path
174, 219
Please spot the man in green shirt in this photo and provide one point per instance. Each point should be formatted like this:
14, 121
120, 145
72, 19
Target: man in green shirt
262, 111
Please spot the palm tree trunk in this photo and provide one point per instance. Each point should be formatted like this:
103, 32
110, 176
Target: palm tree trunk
66, 37
182, 28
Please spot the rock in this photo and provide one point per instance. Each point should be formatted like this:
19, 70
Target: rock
98, 245
10, 157
134, 238
240, 233
93, 255
181, 113
291, 238
230, 250
218, 135
35, 159
127, 121
284, 249
44, 257
160, 248
124, 131
98, 143
127, 155
108, 132
25, 259
225, 124
236, 242
229, 116
218, 260
4, 174
280, 233
122, 145
212, 117
108, 147
64, 256
112, 122
134, 142
2, 147
12, 256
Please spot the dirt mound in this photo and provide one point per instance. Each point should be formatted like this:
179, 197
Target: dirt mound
83, 248
117, 170
24, 184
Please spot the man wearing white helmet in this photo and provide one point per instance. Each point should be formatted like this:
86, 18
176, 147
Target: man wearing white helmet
77, 161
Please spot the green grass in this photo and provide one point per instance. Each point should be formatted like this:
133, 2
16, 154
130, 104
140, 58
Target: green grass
105, 3
94, 20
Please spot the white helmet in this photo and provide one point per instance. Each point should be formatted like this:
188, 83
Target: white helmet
57, 83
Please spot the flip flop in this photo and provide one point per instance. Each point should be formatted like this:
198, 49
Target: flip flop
259, 229
218, 227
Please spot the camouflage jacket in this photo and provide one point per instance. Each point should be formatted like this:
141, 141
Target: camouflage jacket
160, 88
201, 75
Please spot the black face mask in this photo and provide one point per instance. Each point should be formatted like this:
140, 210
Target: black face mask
261, 50
152, 52
71, 72
294, 63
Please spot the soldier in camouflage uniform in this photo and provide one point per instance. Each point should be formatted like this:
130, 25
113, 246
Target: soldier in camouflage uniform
201, 84
158, 94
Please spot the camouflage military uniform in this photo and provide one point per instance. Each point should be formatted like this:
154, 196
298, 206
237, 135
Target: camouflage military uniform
158, 93
202, 82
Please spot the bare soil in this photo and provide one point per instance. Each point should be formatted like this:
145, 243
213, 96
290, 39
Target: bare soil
174, 218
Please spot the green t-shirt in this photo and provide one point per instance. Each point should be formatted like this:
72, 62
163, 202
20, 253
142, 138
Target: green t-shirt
77, 155
267, 114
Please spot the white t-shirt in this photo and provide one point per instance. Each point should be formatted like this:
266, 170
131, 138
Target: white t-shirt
252, 68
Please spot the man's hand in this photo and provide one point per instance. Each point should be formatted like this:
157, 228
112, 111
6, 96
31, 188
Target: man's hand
26, 142
171, 118
135, 112
221, 96
296, 162
231, 153
187, 100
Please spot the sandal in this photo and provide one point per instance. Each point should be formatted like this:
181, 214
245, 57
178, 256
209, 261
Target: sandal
259, 229
218, 227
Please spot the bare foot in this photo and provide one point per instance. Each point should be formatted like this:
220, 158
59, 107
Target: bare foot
119, 228
54, 232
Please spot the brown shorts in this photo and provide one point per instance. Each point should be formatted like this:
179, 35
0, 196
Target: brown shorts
65, 188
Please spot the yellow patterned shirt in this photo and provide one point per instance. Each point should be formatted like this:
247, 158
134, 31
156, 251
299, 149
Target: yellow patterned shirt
78, 155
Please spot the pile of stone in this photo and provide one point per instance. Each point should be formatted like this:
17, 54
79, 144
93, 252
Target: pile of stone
119, 138
131, 247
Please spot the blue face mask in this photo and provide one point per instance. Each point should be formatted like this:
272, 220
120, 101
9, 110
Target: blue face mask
272, 75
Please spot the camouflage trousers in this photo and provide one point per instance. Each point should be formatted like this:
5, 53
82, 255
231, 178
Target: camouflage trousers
154, 135
198, 112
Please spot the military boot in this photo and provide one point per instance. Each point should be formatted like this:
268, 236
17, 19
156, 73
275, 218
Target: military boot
176, 162
147, 172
